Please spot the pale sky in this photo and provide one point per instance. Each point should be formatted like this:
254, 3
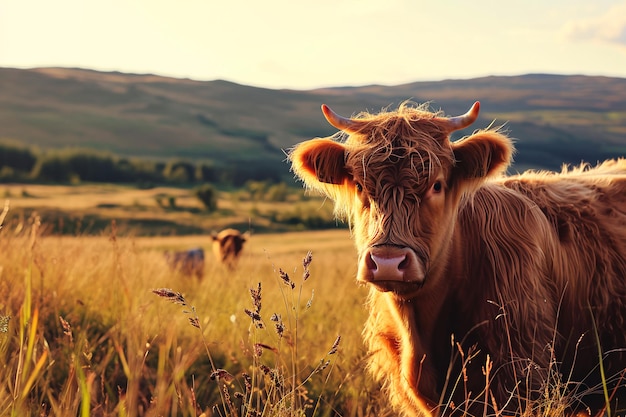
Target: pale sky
303, 44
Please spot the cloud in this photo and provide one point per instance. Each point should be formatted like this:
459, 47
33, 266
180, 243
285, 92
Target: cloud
609, 27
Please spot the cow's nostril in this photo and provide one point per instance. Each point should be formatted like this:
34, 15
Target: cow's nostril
370, 262
405, 263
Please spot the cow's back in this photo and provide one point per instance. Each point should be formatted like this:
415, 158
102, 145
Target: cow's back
548, 252
586, 212
585, 209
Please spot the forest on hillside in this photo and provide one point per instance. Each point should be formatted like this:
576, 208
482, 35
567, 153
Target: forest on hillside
146, 128
27, 164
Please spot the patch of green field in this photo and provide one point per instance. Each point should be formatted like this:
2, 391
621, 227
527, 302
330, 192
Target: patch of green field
90, 209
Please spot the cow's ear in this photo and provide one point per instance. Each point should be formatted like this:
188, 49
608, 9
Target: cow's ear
319, 161
484, 154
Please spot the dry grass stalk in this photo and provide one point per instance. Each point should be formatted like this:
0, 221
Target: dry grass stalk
100, 347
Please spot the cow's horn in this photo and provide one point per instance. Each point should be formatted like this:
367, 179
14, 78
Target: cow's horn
460, 122
340, 122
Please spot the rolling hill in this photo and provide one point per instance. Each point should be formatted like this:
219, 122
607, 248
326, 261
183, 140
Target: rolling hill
554, 119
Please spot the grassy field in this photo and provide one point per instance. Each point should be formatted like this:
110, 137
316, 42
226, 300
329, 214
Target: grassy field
98, 325
88, 209
84, 333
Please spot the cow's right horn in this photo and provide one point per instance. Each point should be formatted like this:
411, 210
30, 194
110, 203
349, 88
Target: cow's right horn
340, 122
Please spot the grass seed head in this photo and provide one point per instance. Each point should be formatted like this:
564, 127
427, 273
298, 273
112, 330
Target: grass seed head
333, 349
278, 323
309, 303
259, 347
4, 323
67, 329
285, 277
280, 328
222, 374
305, 263
256, 297
323, 365
247, 380
171, 295
265, 369
256, 318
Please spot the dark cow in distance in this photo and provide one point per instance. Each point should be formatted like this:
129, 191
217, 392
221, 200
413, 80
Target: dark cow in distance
482, 286
189, 262
227, 246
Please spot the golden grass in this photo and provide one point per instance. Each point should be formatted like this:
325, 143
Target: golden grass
87, 336
148, 211
83, 333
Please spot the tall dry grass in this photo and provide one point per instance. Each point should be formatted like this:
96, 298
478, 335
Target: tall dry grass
83, 333
99, 326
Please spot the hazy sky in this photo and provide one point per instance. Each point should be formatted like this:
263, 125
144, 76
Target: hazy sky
304, 44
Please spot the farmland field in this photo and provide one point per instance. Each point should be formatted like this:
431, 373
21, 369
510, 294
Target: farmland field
94, 322
87, 335
97, 324
89, 209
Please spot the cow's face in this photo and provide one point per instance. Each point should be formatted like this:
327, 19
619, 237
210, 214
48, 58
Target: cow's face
228, 244
399, 179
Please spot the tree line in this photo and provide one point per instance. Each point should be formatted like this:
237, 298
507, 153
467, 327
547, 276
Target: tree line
26, 164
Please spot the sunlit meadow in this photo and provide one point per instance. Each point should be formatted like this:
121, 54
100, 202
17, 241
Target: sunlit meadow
101, 326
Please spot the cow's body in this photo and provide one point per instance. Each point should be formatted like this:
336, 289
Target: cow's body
529, 271
227, 246
189, 262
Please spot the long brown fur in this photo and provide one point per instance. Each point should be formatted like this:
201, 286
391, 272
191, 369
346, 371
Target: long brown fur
526, 270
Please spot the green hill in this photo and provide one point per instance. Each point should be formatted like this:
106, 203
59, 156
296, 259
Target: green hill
554, 118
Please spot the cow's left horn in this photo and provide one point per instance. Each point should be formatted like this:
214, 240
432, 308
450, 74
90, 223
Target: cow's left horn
460, 122
340, 122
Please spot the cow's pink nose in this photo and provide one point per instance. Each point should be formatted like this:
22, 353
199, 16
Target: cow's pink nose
391, 263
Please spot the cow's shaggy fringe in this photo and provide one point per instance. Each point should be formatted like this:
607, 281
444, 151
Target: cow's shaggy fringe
274, 385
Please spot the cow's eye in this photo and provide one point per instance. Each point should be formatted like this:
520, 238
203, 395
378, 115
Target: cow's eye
437, 187
358, 186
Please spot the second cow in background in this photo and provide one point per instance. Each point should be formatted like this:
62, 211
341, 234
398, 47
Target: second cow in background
227, 246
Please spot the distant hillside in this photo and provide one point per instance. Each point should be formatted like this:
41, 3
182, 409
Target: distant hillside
554, 118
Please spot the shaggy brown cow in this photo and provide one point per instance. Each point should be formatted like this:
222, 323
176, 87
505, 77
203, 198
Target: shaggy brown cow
189, 262
482, 287
227, 246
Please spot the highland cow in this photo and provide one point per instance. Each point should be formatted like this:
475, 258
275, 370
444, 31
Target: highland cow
227, 246
189, 262
483, 287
